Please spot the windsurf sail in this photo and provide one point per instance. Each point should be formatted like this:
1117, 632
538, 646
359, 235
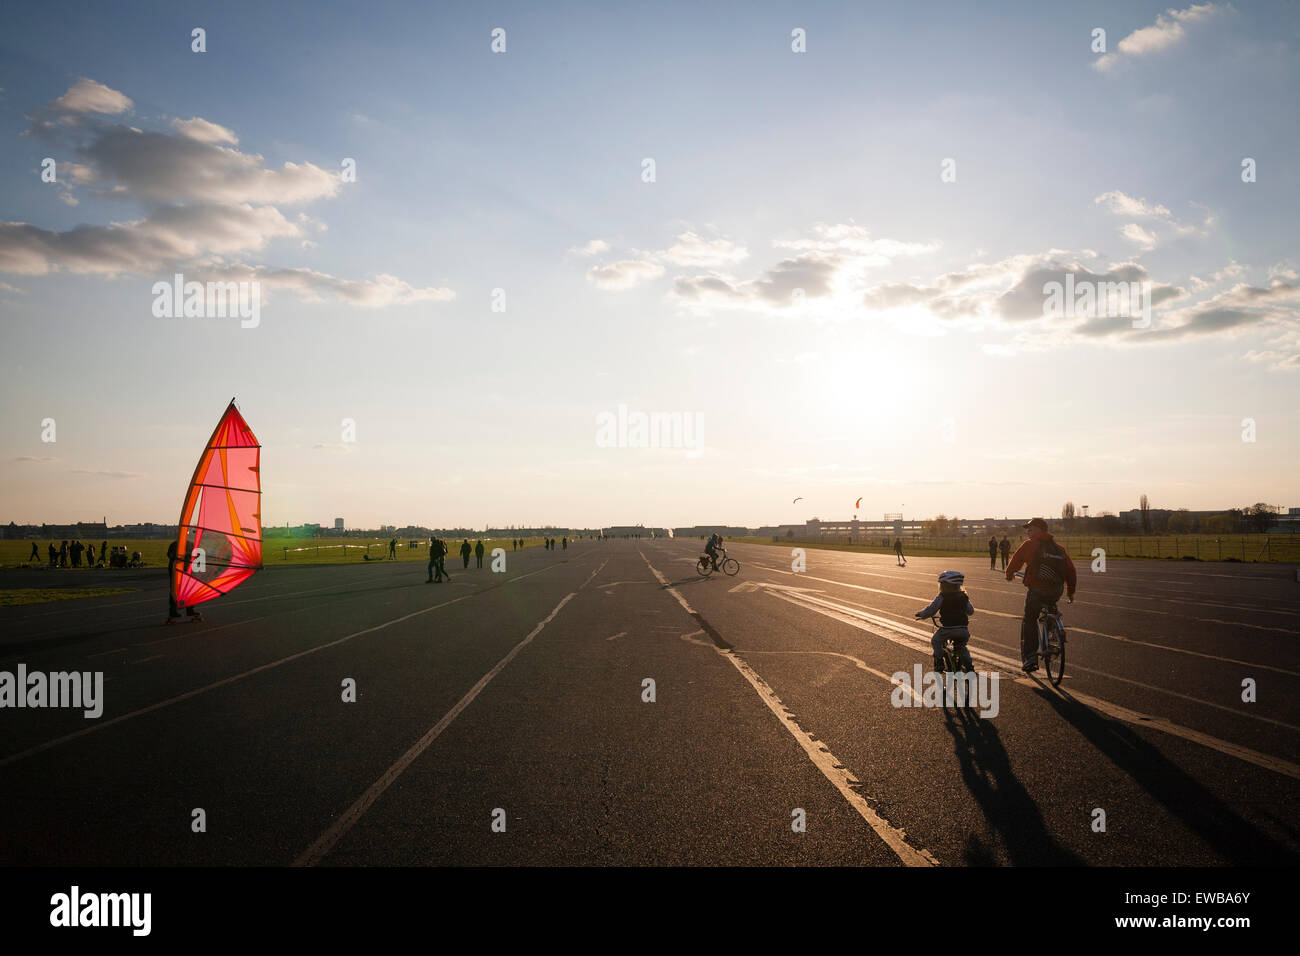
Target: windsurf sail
219, 544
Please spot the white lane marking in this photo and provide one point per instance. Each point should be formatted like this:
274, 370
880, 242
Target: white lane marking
619, 634
330, 838
144, 660
855, 618
105, 653
860, 664
39, 748
818, 753
203, 633
1072, 628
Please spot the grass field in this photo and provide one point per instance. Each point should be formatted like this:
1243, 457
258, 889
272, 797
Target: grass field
1284, 548
15, 596
275, 550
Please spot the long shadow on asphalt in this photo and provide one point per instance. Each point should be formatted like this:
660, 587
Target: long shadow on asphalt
1237, 841
1007, 806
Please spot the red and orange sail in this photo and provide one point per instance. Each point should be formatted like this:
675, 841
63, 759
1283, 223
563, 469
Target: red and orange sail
219, 545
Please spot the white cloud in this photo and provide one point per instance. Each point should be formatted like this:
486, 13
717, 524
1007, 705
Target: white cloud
199, 129
1123, 204
87, 96
593, 247
1135, 233
1166, 32
695, 251
624, 274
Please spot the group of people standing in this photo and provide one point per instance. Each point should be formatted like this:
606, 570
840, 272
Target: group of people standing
74, 554
550, 543
996, 547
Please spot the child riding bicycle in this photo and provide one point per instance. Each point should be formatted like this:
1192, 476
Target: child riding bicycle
954, 608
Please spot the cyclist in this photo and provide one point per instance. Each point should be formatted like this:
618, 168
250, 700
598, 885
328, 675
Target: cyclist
711, 548
953, 606
1048, 572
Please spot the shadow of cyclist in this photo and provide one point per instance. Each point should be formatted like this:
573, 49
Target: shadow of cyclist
1007, 806
1237, 841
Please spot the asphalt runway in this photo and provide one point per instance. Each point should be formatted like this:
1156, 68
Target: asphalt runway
505, 719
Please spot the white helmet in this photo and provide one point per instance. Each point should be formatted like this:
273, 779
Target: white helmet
955, 578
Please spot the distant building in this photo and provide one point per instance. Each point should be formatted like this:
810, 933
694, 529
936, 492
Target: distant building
338, 524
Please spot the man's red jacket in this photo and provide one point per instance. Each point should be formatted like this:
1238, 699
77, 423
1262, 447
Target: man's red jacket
1026, 551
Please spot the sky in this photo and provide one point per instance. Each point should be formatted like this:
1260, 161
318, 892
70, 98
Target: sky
819, 234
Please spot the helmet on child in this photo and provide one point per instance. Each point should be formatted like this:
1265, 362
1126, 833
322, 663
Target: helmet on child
952, 578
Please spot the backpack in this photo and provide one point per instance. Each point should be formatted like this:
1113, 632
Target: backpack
1047, 566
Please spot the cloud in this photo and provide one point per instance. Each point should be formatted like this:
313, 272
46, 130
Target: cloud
46, 460
205, 201
1122, 204
1136, 234
87, 96
592, 247
1242, 306
1125, 205
199, 129
108, 474
812, 272
854, 241
695, 251
171, 236
1168, 31
624, 274
14, 290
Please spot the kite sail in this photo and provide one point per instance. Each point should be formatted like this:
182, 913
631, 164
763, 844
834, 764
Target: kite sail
219, 544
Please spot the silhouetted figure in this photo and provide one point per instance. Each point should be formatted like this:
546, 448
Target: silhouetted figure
514, 544
63, 554
478, 552
433, 560
465, 550
36, 554
90, 555
898, 551
438, 552
1004, 546
566, 543
993, 552
54, 556
392, 548
103, 552
173, 612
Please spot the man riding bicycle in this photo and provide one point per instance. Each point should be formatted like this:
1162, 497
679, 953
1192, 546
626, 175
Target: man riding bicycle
711, 548
1048, 572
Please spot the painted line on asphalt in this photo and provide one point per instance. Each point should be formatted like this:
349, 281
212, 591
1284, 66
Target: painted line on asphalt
330, 838
818, 753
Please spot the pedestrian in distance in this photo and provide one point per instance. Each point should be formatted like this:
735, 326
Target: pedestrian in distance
441, 567
103, 552
54, 556
90, 555
478, 552
465, 550
566, 542
898, 552
993, 553
1004, 546
433, 561
63, 554
36, 554
392, 548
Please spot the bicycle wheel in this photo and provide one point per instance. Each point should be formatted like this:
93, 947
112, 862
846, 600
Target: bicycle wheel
704, 567
1055, 661
731, 566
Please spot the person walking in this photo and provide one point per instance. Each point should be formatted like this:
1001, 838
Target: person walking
443, 551
993, 552
103, 552
63, 554
566, 543
392, 549
433, 561
898, 552
465, 550
478, 552
36, 554
54, 556
90, 555
1004, 546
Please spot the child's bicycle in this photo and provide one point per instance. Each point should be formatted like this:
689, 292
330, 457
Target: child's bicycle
951, 662
729, 566
1051, 641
